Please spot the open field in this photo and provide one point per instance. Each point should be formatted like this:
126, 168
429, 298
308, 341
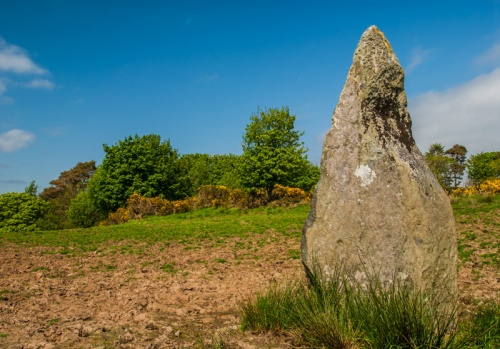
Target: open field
177, 281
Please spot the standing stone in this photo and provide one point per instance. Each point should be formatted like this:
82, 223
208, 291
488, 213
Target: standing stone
377, 207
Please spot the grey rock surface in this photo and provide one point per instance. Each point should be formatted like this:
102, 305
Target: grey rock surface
377, 207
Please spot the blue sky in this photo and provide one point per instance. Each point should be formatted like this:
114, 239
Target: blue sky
78, 74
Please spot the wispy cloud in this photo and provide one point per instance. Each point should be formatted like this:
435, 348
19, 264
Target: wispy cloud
54, 131
418, 56
468, 114
208, 79
491, 56
41, 84
13, 181
16, 139
15, 67
188, 21
16, 60
5, 100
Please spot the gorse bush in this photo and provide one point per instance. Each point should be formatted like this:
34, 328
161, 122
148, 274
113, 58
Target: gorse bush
138, 206
488, 187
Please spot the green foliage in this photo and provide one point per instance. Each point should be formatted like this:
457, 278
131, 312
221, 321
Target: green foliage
459, 154
197, 170
21, 212
272, 152
448, 166
62, 190
31, 189
82, 211
143, 165
483, 166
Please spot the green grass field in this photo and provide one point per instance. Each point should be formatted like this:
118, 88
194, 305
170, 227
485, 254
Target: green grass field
191, 229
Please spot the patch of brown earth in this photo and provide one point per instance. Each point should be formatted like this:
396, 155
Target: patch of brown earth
162, 297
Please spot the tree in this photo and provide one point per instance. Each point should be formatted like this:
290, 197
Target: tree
82, 211
439, 164
62, 190
457, 168
197, 170
483, 166
31, 189
143, 165
21, 212
272, 151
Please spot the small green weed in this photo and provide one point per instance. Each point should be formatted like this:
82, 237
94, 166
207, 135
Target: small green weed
40, 269
221, 260
3, 335
293, 254
169, 268
54, 321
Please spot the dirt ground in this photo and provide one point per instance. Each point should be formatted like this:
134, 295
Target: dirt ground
159, 296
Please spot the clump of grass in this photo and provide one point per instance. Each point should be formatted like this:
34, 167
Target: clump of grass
483, 327
336, 312
269, 311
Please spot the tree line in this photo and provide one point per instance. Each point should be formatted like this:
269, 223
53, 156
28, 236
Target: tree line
450, 165
272, 153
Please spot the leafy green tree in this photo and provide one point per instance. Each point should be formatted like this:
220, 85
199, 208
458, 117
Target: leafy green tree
309, 177
144, 165
197, 170
483, 166
227, 170
439, 164
82, 211
62, 190
457, 168
20, 212
272, 151
31, 189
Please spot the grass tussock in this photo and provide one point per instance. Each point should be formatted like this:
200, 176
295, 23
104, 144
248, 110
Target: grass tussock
336, 312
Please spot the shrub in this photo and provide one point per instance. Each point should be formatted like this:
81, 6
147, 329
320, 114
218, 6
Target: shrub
82, 211
139, 206
488, 187
212, 196
21, 212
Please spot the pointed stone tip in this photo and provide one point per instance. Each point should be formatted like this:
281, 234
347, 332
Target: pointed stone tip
374, 36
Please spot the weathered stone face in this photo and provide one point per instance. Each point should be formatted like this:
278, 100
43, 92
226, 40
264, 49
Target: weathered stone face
377, 206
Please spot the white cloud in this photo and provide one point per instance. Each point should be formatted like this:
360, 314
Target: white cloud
40, 83
468, 114
15, 139
418, 56
16, 60
492, 56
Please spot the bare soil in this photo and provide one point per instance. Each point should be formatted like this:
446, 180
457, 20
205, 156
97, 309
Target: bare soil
159, 296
